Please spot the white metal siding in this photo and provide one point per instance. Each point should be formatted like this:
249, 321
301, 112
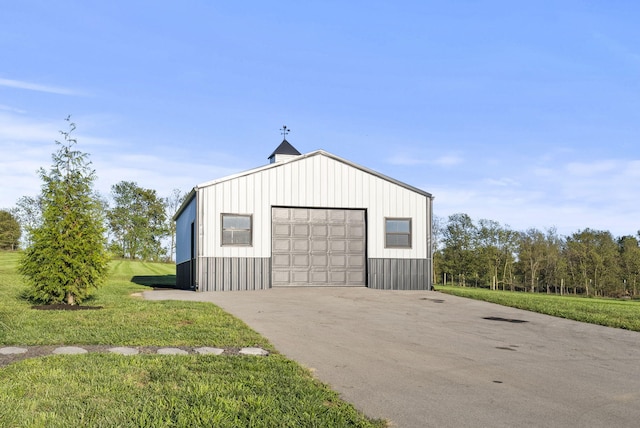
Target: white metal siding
316, 181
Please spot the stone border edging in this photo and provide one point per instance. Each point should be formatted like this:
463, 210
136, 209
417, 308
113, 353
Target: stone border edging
10, 354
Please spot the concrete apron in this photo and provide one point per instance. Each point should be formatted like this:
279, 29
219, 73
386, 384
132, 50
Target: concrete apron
426, 359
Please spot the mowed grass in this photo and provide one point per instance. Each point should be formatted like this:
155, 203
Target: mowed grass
168, 391
608, 312
104, 390
123, 319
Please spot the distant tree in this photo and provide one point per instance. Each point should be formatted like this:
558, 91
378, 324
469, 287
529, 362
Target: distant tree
67, 256
437, 227
629, 264
592, 257
554, 268
28, 212
172, 203
495, 251
138, 221
532, 254
488, 251
459, 253
9, 231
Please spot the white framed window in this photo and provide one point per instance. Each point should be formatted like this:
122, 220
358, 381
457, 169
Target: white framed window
237, 230
397, 232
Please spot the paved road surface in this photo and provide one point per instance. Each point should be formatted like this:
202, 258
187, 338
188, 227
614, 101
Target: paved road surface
425, 359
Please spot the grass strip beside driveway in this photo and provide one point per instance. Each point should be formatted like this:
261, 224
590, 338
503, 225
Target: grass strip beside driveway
623, 314
160, 391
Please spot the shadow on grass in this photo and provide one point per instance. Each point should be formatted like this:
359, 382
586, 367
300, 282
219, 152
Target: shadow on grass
156, 281
27, 296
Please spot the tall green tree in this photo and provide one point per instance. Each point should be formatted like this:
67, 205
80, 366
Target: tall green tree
629, 264
532, 254
496, 247
459, 253
488, 251
592, 257
554, 268
437, 227
67, 256
138, 221
9, 231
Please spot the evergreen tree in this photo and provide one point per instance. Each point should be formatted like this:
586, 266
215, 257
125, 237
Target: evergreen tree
67, 256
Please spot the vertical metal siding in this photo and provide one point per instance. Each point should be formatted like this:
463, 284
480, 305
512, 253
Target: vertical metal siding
234, 273
183, 275
399, 274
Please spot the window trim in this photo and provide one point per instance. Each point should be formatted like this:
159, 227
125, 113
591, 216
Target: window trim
387, 234
222, 230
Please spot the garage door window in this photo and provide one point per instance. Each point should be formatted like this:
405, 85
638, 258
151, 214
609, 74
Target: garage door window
397, 232
236, 229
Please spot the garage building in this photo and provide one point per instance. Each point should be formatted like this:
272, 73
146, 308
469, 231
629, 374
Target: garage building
304, 220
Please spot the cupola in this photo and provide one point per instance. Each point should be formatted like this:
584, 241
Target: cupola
285, 150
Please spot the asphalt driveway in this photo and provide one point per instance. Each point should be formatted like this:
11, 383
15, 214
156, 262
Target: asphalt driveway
425, 359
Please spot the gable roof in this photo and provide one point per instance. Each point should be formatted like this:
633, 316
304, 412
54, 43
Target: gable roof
297, 159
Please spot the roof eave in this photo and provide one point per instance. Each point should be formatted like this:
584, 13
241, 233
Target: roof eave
185, 203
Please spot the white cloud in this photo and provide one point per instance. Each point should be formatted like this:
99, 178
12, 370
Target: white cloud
17, 128
543, 172
448, 160
501, 182
601, 195
412, 159
18, 84
591, 168
26, 144
11, 109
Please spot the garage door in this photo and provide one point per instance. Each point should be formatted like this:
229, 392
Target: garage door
312, 246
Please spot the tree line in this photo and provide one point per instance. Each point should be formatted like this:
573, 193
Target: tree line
138, 222
486, 254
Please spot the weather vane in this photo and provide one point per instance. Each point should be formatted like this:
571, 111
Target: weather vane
284, 131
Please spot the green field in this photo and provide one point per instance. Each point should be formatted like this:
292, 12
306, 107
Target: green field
151, 390
608, 312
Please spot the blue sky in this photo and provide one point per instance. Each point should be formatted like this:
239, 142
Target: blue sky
526, 113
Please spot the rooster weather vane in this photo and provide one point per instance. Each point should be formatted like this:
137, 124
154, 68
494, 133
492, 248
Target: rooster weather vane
284, 131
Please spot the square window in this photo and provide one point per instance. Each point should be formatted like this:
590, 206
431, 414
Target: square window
397, 233
237, 229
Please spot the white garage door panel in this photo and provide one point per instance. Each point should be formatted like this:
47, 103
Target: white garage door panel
315, 246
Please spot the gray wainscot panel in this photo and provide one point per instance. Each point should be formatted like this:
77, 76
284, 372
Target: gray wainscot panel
399, 274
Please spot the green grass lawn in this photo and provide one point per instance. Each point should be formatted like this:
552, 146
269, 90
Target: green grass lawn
608, 312
151, 390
